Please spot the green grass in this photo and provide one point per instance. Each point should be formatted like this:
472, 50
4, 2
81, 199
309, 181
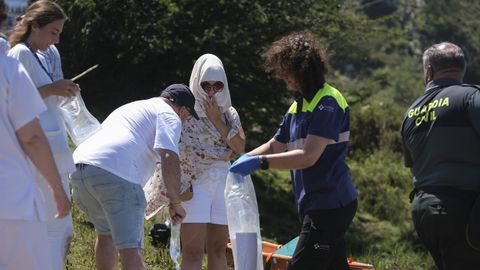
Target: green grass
82, 253
387, 244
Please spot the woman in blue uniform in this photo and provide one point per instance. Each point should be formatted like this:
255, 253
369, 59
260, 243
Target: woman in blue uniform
312, 142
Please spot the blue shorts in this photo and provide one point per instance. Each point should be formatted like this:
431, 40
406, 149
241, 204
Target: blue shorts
114, 205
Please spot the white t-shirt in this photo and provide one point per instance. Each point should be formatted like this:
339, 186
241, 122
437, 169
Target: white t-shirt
20, 103
128, 143
51, 120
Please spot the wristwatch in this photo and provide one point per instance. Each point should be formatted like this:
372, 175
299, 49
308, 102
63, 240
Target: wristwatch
263, 162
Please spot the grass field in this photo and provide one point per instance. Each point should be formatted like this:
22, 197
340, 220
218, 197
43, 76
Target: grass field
82, 252
82, 248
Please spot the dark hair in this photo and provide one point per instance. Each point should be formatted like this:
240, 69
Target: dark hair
3, 11
300, 56
41, 12
444, 55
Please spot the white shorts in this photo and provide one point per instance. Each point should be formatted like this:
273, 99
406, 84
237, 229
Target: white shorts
208, 202
24, 245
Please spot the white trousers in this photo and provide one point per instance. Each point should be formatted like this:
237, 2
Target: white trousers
60, 231
22, 245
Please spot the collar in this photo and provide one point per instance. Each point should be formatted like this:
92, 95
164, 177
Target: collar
442, 82
302, 105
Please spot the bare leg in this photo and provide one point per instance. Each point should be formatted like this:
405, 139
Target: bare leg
132, 259
106, 255
217, 237
193, 245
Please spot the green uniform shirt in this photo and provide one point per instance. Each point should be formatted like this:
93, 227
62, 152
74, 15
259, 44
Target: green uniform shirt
441, 136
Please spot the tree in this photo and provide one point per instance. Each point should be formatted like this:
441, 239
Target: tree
457, 22
142, 46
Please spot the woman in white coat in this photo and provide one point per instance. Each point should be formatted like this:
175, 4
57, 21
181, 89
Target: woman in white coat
36, 30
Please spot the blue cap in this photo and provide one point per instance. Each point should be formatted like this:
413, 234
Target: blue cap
181, 95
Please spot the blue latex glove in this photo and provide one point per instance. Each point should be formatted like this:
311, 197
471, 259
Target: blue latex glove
246, 164
242, 157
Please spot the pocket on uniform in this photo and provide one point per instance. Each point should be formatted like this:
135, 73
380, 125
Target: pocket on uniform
318, 243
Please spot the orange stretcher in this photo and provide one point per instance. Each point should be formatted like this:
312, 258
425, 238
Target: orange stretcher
273, 258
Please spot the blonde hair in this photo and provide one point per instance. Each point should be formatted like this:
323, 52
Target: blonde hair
42, 13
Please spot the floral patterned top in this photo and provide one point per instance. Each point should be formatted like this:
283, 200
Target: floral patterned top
201, 146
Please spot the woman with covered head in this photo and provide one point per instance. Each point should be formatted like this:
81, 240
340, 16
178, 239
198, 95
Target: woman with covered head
36, 30
206, 148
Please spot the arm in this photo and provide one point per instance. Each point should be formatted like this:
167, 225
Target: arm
300, 158
63, 88
474, 110
171, 175
35, 145
293, 159
237, 143
271, 147
59, 88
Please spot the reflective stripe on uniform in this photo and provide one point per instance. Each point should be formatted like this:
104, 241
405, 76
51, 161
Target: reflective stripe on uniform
300, 143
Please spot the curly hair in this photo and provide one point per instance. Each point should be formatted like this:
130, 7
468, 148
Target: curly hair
301, 57
41, 12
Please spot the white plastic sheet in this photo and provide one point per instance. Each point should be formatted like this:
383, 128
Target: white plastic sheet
243, 222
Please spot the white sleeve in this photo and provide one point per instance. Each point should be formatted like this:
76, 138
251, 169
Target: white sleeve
24, 55
38, 76
168, 130
24, 101
4, 46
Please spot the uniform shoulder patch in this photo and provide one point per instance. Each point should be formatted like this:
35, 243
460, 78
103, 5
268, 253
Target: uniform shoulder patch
327, 108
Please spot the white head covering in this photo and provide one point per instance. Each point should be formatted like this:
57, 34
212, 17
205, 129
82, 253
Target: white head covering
209, 68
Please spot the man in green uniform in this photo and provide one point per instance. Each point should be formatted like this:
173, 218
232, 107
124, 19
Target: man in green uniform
441, 137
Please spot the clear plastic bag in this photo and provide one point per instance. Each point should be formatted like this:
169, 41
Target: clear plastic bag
80, 124
243, 222
175, 243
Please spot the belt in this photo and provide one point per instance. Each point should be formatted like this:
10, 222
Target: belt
81, 166
442, 189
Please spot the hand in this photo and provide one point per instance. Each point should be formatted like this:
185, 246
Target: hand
62, 202
246, 164
64, 88
177, 213
212, 110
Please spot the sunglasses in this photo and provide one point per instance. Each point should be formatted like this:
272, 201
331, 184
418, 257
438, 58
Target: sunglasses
207, 87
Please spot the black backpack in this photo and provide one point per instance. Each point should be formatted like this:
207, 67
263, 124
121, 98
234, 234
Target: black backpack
160, 235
